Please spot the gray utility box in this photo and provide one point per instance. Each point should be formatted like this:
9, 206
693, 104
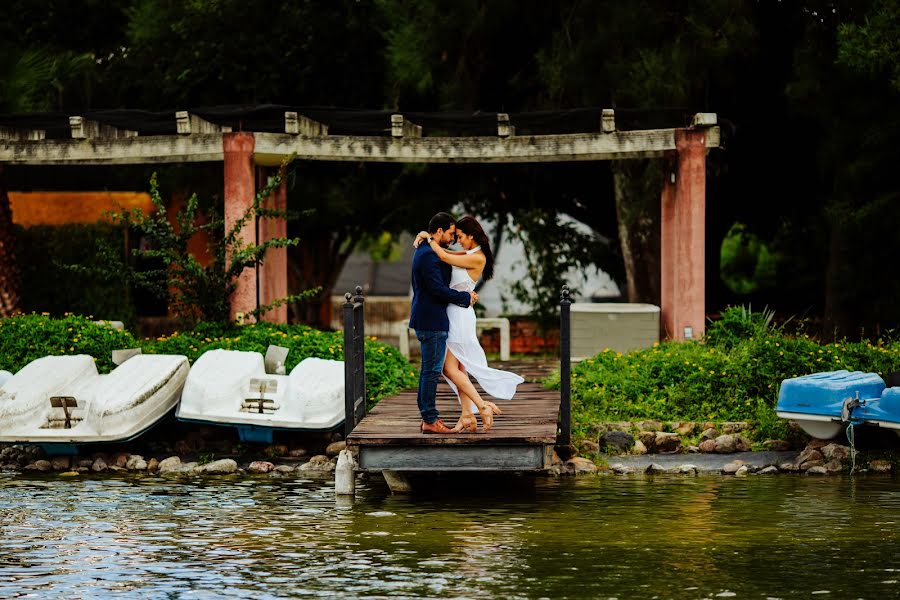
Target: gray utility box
614, 325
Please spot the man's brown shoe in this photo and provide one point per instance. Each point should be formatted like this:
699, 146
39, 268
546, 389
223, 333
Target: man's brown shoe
436, 427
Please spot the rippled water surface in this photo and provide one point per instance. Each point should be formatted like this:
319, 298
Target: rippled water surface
607, 537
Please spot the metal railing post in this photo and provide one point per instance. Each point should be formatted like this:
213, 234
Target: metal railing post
360, 349
354, 360
349, 395
565, 369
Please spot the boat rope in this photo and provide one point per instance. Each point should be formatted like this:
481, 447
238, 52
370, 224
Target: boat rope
851, 438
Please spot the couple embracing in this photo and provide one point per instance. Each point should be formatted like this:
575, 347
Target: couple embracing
443, 317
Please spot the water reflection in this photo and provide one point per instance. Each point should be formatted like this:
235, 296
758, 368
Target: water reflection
672, 537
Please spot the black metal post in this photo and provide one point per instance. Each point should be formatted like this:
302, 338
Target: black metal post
354, 360
565, 369
360, 349
349, 396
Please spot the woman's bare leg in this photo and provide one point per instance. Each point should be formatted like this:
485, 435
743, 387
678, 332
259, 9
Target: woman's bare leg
467, 420
461, 379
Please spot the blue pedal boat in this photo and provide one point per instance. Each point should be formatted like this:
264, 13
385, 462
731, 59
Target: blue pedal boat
883, 411
822, 403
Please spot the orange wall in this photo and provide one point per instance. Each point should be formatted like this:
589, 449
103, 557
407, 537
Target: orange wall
60, 208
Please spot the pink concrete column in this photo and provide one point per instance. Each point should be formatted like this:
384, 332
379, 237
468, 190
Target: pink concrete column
683, 238
273, 271
240, 189
668, 235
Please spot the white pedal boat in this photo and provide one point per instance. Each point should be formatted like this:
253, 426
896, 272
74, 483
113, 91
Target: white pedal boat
64, 400
230, 387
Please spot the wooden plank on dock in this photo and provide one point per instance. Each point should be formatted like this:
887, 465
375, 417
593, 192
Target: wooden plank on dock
521, 439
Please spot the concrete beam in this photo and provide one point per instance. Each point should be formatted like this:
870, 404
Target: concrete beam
189, 124
272, 148
297, 124
84, 129
504, 129
99, 151
22, 135
400, 128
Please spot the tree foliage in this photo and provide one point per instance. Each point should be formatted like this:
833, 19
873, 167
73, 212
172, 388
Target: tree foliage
806, 95
872, 47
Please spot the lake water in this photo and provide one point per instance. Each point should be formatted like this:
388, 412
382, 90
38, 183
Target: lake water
462, 537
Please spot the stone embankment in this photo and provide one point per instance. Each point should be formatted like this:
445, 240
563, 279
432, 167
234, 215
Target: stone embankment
649, 437
28, 458
656, 447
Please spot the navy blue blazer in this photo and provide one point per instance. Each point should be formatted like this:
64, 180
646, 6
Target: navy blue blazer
431, 292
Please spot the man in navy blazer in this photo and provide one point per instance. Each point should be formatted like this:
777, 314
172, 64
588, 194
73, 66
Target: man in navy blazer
431, 295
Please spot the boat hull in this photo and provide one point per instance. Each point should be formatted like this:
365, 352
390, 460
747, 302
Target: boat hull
883, 411
98, 408
817, 402
232, 388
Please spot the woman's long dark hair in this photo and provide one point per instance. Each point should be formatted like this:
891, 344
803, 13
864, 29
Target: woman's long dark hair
469, 226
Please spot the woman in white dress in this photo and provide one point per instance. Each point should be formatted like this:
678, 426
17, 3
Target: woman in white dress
464, 352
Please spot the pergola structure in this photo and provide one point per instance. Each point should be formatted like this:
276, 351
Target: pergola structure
245, 155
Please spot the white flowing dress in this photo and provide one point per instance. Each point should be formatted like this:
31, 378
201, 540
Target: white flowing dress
462, 341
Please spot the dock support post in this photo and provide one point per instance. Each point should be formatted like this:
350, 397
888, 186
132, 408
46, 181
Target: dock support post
397, 482
565, 370
354, 360
344, 475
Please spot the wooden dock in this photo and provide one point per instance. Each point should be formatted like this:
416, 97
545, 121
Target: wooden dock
522, 439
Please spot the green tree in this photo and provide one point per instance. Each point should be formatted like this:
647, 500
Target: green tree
644, 55
238, 52
631, 55
872, 46
806, 94
853, 119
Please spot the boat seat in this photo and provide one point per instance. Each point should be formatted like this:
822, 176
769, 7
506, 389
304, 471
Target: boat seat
65, 403
263, 386
261, 405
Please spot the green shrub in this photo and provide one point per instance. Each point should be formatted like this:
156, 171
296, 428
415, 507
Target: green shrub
701, 381
738, 323
25, 338
28, 337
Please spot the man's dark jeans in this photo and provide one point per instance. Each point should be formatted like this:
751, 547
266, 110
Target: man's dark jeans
434, 348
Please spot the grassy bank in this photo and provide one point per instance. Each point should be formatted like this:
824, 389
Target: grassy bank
28, 337
733, 375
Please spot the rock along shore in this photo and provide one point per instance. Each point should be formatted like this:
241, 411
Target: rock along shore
693, 448
631, 448
276, 460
